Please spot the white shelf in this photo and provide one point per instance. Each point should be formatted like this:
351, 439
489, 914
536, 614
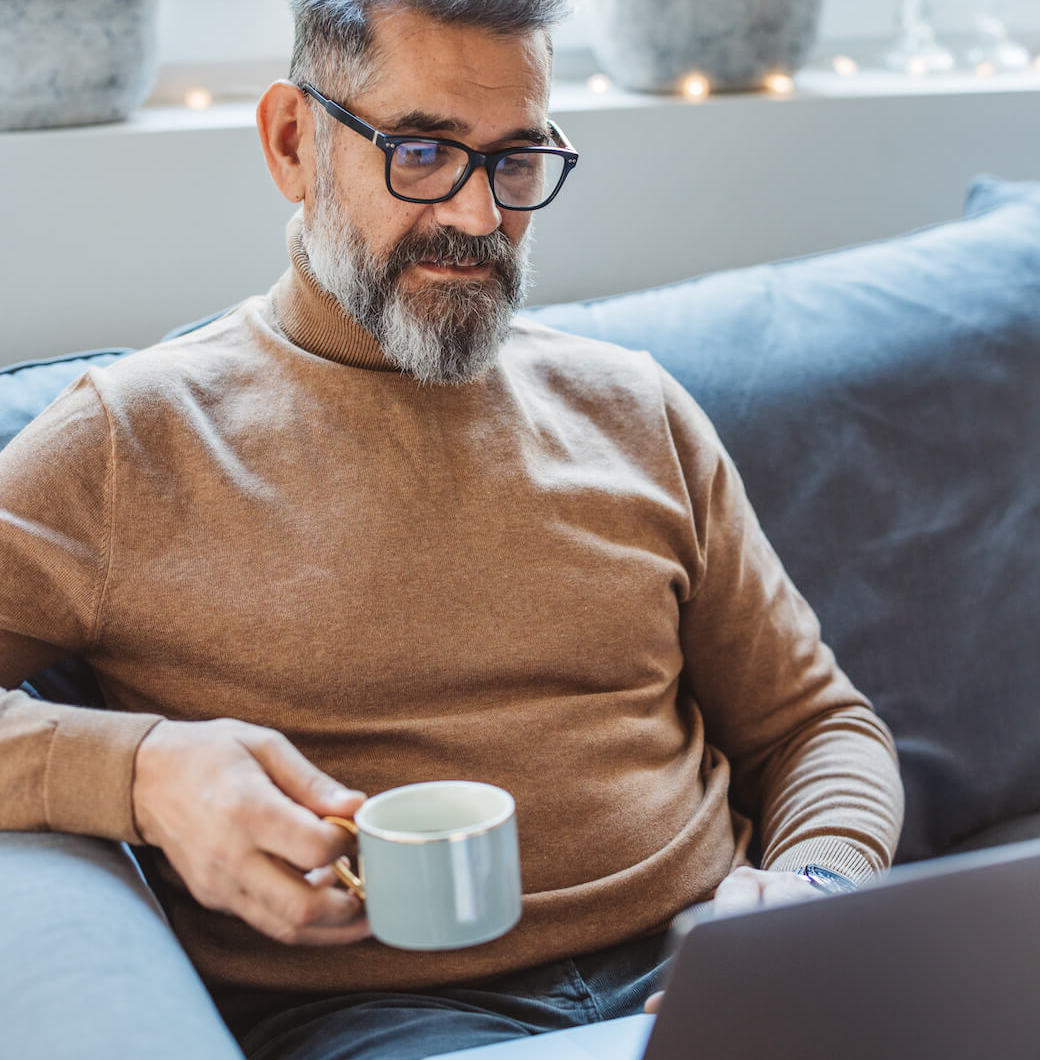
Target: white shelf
114, 233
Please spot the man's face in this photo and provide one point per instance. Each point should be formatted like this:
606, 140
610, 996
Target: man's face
436, 283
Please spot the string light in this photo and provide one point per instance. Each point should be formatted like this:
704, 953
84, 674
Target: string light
198, 99
845, 65
779, 84
695, 87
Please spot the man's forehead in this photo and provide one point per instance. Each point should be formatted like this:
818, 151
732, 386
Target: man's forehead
427, 121
431, 76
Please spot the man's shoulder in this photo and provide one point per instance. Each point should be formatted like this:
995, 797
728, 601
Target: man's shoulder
213, 356
561, 358
604, 379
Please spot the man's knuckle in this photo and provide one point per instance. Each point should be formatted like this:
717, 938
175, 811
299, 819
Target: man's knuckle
208, 894
233, 809
285, 932
315, 852
299, 909
212, 884
224, 728
236, 810
264, 739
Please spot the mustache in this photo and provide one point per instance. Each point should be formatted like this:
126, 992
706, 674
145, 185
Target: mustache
448, 246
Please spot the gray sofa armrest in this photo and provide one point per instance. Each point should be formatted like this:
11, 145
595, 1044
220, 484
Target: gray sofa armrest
89, 966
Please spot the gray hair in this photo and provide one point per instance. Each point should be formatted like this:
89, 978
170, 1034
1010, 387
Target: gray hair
332, 47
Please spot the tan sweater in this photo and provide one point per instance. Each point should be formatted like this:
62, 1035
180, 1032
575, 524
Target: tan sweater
549, 579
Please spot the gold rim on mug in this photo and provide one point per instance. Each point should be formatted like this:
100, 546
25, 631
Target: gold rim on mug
448, 835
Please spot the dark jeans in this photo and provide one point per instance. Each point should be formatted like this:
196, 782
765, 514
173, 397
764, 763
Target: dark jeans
409, 1026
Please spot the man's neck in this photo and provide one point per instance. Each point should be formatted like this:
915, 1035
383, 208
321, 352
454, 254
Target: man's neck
312, 318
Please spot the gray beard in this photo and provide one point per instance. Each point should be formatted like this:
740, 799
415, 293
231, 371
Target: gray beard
447, 331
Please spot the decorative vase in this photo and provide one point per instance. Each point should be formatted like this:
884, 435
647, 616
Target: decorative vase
656, 45
75, 62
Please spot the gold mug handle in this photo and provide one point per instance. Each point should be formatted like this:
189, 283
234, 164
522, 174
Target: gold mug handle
341, 866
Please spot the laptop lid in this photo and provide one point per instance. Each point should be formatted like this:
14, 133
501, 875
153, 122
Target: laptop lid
937, 961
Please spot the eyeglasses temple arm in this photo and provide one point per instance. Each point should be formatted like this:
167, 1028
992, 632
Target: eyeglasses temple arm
352, 121
560, 136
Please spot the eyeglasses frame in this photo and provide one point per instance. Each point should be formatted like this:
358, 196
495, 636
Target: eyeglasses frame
486, 160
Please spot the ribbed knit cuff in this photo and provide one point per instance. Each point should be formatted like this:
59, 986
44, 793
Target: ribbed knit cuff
830, 853
89, 776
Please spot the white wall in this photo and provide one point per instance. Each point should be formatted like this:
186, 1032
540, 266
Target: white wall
194, 30
113, 234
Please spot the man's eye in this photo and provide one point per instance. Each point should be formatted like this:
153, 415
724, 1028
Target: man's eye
418, 156
515, 165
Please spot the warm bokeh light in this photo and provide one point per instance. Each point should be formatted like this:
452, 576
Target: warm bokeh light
695, 86
779, 84
198, 99
845, 65
598, 83
917, 66
985, 70
1036, 63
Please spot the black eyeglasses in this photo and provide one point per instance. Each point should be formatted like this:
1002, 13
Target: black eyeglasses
426, 169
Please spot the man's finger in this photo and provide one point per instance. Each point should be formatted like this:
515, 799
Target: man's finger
323, 877
259, 917
280, 827
278, 901
299, 778
653, 1003
737, 893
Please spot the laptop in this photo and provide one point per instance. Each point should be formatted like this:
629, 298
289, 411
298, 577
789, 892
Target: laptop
939, 960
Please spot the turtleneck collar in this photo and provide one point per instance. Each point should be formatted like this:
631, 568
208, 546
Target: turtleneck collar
311, 317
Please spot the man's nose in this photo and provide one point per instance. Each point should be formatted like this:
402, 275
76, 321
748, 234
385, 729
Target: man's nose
472, 209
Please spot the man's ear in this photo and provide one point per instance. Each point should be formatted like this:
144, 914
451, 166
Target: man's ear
286, 128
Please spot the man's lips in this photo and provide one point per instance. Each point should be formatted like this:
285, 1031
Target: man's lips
470, 269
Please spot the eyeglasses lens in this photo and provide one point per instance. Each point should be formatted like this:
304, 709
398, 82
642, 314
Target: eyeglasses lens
523, 179
426, 171
527, 178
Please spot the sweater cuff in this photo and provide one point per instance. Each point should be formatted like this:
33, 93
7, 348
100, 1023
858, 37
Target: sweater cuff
830, 853
88, 781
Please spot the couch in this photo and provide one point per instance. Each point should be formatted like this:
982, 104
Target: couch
883, 405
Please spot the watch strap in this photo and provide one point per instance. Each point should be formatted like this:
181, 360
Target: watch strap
827, 880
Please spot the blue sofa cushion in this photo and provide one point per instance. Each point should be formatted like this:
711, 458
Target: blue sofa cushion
883, 404
26, 389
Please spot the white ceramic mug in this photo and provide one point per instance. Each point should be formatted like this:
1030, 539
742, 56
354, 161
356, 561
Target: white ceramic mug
438, 864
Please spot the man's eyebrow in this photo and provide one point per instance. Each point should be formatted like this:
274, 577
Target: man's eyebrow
420, 121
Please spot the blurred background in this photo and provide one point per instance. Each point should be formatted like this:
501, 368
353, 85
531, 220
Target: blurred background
116, 231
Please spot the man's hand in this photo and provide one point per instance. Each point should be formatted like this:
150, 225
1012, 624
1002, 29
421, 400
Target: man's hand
237, 811
746, 888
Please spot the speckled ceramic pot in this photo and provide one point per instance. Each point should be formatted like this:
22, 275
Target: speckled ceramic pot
653, 45
74, 62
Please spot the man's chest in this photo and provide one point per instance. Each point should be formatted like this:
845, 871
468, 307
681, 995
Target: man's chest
346, 576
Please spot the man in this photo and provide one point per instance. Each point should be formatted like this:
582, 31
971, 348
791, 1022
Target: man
397, 535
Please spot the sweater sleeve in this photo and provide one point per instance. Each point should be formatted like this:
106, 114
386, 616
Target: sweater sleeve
62, 768
811, 762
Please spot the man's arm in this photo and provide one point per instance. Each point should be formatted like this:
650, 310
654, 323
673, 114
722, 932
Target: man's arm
236, 809
811, 761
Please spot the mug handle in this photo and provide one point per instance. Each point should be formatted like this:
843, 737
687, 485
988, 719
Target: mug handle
341, 866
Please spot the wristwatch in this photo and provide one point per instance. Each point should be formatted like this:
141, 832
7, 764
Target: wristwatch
826, 880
